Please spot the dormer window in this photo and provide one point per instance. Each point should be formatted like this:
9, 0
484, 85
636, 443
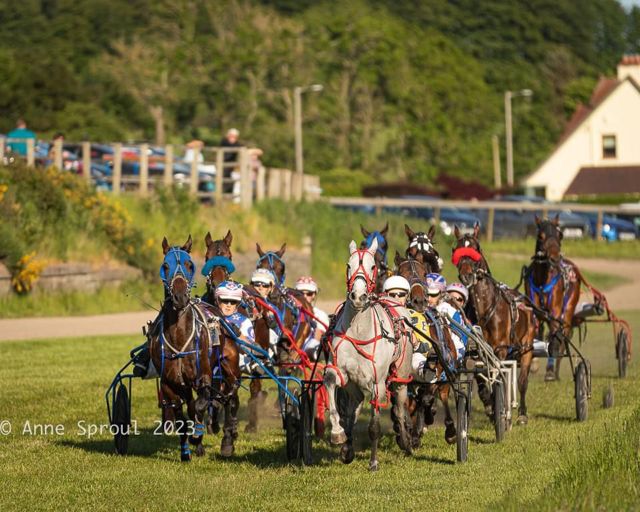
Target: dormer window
608, 146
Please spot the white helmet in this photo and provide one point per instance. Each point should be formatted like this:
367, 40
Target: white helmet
229, 290
263, 276
459, 288
306, 284
396, 283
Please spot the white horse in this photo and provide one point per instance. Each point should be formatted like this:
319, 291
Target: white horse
368, 341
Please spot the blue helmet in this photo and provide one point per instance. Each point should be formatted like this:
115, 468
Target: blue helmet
436, 283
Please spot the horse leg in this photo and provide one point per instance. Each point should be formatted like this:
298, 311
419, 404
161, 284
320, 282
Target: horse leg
338, 435
374, 433
400, 417
255, 388
196, 410
349, 399
230, 429
523, 382
182, 429
450, 433
484, 392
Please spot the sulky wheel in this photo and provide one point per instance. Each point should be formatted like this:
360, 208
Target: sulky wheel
121, 419
307, 409
462, 439
581, 392
622, 354
292, 430
499, 412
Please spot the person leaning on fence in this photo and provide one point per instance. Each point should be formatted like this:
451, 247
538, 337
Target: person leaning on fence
194, 147
230, 140
17, 138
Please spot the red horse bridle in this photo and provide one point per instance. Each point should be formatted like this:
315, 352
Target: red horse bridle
462, 252
362, 272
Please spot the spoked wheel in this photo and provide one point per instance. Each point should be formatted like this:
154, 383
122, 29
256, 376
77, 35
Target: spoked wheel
292, 422
307, 409
462, 425
499, 413
622, 354
581, 392
121, 419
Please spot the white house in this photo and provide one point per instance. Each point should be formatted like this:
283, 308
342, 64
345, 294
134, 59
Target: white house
599, 151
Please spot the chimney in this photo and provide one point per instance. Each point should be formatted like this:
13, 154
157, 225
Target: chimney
629, 66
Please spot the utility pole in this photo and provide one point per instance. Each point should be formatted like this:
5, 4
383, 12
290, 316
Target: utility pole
497, 178
508, 95
297, 122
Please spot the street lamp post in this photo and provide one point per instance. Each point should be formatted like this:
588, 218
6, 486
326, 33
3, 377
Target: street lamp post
509, 130
297, 121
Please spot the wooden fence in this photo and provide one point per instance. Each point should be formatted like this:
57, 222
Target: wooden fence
241, 180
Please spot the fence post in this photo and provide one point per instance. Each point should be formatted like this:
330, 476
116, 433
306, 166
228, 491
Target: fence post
144, 169
219, 174
117, 168
297, 186
86, 160
193, 179
599, 221
436, 216
261, 183
246, 185
3, 143
286, 184
490, 219
57, 148
168, 165
273, 184
31, 153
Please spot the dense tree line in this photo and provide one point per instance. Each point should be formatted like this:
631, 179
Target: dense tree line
411, 89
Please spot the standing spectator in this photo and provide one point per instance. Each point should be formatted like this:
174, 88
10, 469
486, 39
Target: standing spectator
190, 152
230, 140
51, 156
17, 138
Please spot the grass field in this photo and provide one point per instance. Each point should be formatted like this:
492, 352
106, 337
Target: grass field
554, 463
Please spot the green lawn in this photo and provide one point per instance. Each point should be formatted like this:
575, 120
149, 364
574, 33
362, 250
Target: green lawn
553, 463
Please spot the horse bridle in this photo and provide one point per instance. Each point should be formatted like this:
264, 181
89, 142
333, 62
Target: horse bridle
271, 258
179, 270
414, 279
542, 251
424, 244
361, 272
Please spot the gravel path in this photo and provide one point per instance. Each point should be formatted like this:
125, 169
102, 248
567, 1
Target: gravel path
626, 296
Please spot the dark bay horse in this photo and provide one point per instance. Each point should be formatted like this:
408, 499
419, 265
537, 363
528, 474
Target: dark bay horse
179, 347
415, 272
381, 252
507, 323
422, 248
552, 282
218, 264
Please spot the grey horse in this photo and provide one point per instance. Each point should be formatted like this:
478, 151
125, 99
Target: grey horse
367, 344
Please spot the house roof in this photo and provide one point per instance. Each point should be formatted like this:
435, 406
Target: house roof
605, 180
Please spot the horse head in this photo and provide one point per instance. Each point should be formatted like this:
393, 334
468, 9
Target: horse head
381, 252
549, 238
177, 272
415, 272
421, 248
272, 260
468, 258
217, 261
361, 274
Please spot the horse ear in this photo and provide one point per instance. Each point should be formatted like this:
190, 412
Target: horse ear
352, 247
556, 219
282, 250
187, 245
476, 230
397, 259
456, 232
207, 239
432, 232
259, 249
364, 232
228, 238
409, 232
165, 245
373, 247
384, 230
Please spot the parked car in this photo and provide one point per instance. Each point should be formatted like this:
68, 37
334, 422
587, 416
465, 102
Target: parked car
613, 228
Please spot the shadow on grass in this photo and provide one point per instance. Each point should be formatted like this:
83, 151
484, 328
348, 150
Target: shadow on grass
553, 417
264, 458
436, 460
481, 440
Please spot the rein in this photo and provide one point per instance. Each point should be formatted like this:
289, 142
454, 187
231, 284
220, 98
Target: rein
362, 273
272, 257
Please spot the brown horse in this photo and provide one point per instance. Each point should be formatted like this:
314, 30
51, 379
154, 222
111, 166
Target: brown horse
415, 272
179, 347
553, 284
219, 270
381, 252
507, 323
422, 248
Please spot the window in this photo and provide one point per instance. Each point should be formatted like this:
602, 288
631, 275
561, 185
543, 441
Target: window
608, 146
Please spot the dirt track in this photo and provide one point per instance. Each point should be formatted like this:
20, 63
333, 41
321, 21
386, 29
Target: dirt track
626, 296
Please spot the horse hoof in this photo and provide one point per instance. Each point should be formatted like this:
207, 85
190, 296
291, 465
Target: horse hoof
450, 434
185, 457
339, 438
226, 450
450, 440
373, 466
522, 420
200, 450
415, 443
250, 429
347, 454
550, 376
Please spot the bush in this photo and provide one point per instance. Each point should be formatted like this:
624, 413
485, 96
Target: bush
344, 182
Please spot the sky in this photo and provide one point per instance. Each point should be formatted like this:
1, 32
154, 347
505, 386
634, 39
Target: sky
630, 3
